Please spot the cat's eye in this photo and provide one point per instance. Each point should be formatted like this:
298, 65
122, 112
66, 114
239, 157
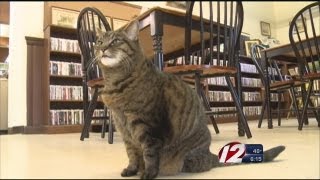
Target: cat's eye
99, 42
115, 41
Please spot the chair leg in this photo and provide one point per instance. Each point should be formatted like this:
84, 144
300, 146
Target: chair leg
290, 108
315, 112
88, 116
103, 128
207, 107
110, 131
104, 125
291, 93
239, 107
305, 104
295, 104
262, 114
206, 102
279, 104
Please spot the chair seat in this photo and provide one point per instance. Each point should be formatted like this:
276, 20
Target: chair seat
96, 82
183, 69
210, 71
205, 70
281, 85
286, 84
298, 83
311, 76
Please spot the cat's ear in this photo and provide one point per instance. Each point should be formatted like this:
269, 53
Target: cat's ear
132, 30
99, 33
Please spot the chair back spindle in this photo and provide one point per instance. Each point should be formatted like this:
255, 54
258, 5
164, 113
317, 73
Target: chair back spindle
304, 36
217, 46
89, 20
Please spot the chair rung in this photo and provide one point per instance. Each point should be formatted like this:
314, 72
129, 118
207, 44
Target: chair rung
220, 112
100, 117
292, 110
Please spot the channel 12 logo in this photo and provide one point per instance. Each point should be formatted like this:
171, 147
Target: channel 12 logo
236, 152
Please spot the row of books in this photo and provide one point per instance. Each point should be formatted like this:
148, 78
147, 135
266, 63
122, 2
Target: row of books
251, 96
72, 116
272, 71
218, 81
248, 111
251, 82
65, 68
250, 68
220, 96
316, 101
252, 110
216, 96
316, 85
59, 92
275, 97
67, 45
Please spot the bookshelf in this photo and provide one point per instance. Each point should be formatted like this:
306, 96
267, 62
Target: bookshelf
220, 98
54, 69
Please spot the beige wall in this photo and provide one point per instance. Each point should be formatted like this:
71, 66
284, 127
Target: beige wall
26, 19
284, 12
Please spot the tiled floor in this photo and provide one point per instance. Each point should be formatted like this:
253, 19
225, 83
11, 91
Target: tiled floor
65, 156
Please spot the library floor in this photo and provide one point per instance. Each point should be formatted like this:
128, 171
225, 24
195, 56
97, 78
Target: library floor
65, 156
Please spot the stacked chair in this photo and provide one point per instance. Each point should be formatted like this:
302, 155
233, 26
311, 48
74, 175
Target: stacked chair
89, 20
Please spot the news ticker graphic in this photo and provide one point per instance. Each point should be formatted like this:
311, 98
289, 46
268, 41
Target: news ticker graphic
236, 152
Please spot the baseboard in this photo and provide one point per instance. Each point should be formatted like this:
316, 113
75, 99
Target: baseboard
26, 130
16, 130
33, 130
3, 132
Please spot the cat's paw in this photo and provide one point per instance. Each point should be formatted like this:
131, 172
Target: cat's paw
149, 175
128, 172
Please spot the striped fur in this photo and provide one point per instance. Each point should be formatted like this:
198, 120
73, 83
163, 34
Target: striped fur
160, 118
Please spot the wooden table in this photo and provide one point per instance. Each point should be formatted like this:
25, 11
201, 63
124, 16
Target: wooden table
282, 53
162, 33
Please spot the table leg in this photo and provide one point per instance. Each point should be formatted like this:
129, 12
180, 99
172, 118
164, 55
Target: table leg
156, 28
158, 54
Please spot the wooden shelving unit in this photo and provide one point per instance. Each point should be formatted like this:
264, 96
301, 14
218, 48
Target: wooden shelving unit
41, 53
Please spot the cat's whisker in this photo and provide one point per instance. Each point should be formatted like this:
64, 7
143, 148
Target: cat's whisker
90, 64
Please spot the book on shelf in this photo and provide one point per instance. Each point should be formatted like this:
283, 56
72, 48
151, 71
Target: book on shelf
225, 96
249, 68
65, 68
65, 45
73, 116
248, 111
65, 93
293, 71
249, 82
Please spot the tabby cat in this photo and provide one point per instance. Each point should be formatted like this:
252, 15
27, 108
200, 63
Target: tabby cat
161, 119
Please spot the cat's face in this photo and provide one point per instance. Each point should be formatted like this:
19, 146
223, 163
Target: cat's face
116, 48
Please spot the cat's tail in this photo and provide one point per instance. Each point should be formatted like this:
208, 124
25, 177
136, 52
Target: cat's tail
272, 153
268, 156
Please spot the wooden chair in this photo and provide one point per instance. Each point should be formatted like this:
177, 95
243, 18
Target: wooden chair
278, 84
88, 21
304, 36
206, 59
